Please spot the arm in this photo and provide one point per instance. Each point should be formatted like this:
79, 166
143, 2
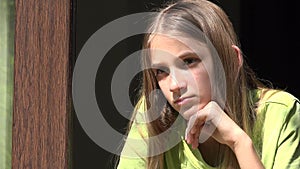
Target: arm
245, 152
213, 121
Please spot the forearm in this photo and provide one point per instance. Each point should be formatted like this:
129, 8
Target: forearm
245, 152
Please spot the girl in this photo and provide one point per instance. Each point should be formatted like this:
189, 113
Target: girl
201, 106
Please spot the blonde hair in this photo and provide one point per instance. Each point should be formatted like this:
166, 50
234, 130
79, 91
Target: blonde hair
240, 79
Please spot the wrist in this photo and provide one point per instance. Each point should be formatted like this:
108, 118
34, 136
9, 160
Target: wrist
240, 142
238, 139
245, 152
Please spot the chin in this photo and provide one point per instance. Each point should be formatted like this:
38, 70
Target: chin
187, 115
189, 111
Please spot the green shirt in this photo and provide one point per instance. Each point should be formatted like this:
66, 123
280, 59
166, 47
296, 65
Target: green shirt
276, 138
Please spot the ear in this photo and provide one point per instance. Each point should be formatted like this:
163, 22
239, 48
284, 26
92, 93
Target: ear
239, 54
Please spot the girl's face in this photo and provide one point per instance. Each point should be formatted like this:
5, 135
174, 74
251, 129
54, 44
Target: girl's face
181, 75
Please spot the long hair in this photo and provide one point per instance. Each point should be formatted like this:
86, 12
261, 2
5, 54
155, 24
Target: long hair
240, 79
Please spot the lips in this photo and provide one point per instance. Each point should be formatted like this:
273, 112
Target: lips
182, 100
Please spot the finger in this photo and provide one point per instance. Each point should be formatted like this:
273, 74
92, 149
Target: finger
197, 135
207, 131
198, 124
190, 124
195, 140
194, 125
195, 128
189, 138
192, 140
191, 135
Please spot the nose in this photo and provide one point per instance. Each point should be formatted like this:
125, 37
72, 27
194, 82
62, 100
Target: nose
177, 85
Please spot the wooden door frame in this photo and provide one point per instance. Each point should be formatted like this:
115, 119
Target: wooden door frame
42, 85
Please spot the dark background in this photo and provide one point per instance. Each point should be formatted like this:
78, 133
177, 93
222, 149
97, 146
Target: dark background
268, 32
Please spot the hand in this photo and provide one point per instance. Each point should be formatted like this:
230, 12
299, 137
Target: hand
212, 121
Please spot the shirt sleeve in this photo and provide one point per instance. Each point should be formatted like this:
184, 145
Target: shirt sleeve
134, 152
281, 133
288, 151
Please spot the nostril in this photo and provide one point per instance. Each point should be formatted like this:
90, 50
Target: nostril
182, 85
177, 86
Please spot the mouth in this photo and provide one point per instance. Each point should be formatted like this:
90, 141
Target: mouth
182, 100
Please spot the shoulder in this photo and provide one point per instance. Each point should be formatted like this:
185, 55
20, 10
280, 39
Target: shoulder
135, 150
277, 110
277, 102
278, 128
138, 127
278, 113
277, 97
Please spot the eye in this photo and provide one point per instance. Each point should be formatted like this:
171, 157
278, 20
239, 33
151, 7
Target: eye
191, 61
160, 72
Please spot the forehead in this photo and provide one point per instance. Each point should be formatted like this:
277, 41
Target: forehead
168, 44
161, 45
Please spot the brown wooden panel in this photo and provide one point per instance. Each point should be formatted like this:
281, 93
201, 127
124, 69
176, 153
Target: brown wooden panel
42, 91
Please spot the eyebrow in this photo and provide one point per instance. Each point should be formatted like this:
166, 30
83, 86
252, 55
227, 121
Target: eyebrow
181, 56
185, 53
156, 66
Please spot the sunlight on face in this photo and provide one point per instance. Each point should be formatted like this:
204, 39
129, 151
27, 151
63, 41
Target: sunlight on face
181, 74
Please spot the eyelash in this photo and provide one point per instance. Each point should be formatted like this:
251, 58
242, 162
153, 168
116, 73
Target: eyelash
187, 62
190, 61
159, 71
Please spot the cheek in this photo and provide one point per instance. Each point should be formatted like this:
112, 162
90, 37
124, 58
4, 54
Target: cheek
202, 82
163, 85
